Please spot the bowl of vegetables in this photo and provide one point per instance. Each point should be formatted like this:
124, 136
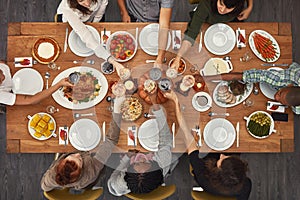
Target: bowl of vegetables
122, 46
260, 124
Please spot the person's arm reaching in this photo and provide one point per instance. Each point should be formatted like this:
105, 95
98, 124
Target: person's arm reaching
34, 99
164, 26
188, 137
123, 11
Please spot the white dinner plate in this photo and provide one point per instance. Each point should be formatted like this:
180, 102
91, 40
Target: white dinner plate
32, 131
239, 98
149, 39
219, 39
267, 35
84, 134
267, 89
219, 134
58, 96
148, 135
197, 106
78, 47
216, 66
27, 81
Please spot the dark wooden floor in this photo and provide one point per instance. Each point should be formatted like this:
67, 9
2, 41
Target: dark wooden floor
274, 176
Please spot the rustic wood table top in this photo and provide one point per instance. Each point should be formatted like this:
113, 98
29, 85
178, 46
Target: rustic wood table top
22, 36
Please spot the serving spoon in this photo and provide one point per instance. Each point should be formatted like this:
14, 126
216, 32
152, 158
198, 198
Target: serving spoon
47, 76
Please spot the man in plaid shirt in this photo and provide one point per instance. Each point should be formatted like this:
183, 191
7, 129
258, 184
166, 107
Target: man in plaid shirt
287, 81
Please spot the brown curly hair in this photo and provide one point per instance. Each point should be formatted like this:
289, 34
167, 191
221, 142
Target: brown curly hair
67, 172
74, 4
229, 177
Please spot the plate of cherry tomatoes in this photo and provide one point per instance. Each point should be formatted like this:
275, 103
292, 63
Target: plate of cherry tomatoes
122, 46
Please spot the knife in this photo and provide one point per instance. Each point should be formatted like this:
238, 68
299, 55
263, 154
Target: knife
103, 130
237, 134
200, 42
66, 40
173, 134
274, 65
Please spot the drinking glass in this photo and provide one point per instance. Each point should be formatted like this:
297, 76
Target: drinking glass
118, 89
53, 66
248, 102
188, 81
246, 57
51, 109
124, 74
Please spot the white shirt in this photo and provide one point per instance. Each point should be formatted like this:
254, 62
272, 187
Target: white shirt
76, 20
6, 96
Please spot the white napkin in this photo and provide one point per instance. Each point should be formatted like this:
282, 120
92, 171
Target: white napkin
22, 62
132, 130
176, 41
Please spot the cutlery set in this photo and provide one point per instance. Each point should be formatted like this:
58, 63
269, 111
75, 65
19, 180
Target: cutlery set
198, 137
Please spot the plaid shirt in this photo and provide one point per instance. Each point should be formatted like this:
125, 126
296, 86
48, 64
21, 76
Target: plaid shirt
276, 78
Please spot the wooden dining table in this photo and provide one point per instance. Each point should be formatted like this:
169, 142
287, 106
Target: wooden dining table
22, 36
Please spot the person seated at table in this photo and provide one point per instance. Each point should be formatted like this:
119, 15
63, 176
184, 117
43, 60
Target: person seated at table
216, 173
76, 13
150, 11
7, 97
143, 172
287, 81
81, 170
212, 12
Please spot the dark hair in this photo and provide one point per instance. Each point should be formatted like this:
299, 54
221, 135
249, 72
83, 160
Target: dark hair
293, 96
67, 172
238, 6
146, 182
229, 177
74, 4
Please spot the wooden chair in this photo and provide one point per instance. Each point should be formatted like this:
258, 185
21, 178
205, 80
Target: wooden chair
64, 194
55, 17
159, 193
206, 196
194, 1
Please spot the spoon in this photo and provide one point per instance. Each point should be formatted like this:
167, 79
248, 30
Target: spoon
91, 62
77, 115
153, 61
47, 76
215, 114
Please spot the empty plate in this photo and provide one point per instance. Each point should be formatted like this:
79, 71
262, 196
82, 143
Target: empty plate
78, 47
27, 81
149, 39
84, 134
219, 39
219, 134
148, 135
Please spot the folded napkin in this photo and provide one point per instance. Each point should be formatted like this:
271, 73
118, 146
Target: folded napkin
63, 135
240, 38
23, 62
132, 136
176, 39
275, 107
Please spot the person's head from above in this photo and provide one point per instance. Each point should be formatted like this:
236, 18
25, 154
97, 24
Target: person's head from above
68, 169
230, 170
2, 77
143, 175
82, 5
228, 6
289, 96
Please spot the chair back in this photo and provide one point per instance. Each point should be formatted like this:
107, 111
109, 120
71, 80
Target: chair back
64, 194
206, 196
194, 1
162, 192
